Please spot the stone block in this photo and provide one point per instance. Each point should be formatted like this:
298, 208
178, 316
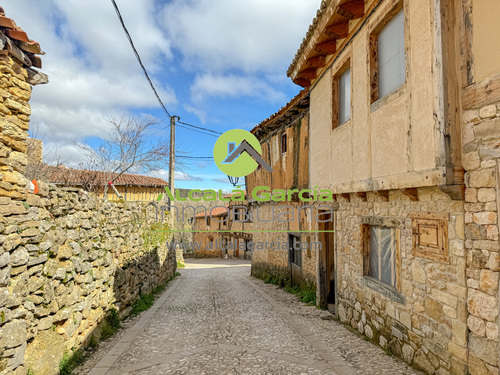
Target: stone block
482, 305
482, 179
13, 333
489, 111
484, 349
489, 281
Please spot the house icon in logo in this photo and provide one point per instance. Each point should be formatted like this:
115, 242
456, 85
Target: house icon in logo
234, 152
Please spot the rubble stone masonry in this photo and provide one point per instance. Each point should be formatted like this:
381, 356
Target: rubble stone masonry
66, 256
481, 141
424, 321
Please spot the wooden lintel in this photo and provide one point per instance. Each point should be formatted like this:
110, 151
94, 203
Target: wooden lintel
302, 82
411, 193
352, 10
329, 47
384, 194
481, 94
308, 74
338, 31
346, 196
362, 196
316, 62
455, 192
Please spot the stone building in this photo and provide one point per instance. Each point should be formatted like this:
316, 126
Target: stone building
284, 138
404, 130
130, 187
221, 233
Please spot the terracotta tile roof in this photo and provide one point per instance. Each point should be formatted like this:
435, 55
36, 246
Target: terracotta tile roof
15, 42
217, 211
299, 103
74, 177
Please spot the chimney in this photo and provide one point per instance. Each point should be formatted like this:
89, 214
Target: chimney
230, 147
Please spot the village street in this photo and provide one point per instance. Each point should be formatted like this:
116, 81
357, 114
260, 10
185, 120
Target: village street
216, 319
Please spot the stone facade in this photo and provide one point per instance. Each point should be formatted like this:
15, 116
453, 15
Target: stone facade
424, 319
481, 140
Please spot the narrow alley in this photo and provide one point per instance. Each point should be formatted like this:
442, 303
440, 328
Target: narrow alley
216, 319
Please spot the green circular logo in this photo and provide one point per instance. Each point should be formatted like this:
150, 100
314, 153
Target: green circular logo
235, 153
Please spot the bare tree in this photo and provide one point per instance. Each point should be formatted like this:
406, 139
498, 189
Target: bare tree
132, 146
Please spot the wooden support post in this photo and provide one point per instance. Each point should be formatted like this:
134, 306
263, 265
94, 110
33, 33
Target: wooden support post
411, 193
362, 196
384, 194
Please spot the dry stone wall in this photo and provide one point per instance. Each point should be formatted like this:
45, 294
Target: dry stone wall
66, 257
481, 144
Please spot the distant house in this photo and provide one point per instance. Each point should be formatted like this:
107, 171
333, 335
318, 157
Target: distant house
131, 187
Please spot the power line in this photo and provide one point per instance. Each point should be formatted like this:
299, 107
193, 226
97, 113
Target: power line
139, 57
195, 157
195, 130
146, 74
199, 127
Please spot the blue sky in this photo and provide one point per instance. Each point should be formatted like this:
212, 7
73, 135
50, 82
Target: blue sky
219, 64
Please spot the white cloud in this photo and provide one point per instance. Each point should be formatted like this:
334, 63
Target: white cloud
233, 86
249, 35
202, 115
92, 71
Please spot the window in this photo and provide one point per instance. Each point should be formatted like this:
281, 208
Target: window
283, 143
208, 220
381, 254
294, 250
341, 95
345, 96
387, 58
430, 235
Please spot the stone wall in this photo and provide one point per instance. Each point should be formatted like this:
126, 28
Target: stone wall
425, 321
67, 258
481, 141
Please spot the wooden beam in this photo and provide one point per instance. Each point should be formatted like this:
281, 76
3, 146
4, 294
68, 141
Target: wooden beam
362, 196
329, 47
302, 82
481, 94
308, 74
384, 194
411, 193
455, 192
352, 10
347, 197
316, 62
338, 31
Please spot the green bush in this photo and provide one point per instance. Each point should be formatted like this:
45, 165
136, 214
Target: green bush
70, 361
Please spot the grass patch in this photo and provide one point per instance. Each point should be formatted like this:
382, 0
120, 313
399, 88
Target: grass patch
70, 361
145, 301
306, 294
111, 325
180, 265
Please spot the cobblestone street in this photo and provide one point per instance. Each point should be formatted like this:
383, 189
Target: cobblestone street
216, 319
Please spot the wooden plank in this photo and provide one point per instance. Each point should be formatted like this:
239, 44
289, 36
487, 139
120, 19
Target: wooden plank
329, 47
338, 31
302, 82
411, 193
430, 215
335, 103
398, 260
362, 196
365, 248
316, 62
384, 194
308, 74
352, 10
482, 93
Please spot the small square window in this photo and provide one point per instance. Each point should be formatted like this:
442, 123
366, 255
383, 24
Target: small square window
430, 236
283, 143
381, 253
387, 57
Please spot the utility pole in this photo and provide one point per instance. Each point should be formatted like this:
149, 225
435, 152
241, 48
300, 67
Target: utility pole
171, 168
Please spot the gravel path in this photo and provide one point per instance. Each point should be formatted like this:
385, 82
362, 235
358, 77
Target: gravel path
216, 319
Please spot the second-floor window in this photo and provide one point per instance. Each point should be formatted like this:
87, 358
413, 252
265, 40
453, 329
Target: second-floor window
387, 58
283, 143
345, 96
